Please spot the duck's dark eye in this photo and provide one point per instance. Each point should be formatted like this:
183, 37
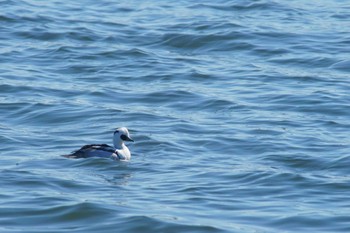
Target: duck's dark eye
116, 131
123, 137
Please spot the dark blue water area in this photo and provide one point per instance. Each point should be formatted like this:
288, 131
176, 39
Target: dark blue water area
239, 110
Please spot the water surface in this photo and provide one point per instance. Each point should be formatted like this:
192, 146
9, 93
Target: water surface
239, 110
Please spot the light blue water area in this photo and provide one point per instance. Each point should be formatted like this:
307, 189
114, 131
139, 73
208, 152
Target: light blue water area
239, 110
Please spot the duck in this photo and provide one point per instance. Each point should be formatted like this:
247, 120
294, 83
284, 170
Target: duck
119, 151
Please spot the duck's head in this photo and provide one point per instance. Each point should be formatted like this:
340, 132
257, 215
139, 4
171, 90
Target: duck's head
120, 135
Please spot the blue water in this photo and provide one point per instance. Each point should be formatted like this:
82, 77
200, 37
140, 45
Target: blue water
239, 109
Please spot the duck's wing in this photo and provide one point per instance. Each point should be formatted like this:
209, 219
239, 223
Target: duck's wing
104, 147
86, 151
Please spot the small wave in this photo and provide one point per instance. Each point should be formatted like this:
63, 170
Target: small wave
341, 65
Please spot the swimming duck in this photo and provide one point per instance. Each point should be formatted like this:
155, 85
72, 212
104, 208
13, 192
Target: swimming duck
119, 151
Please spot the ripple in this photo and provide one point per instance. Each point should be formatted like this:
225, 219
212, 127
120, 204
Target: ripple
242, 6
193, 41
342, 65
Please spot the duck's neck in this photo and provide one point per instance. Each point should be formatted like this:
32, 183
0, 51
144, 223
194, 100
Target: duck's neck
118, 144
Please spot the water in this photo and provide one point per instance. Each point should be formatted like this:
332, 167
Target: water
239, 110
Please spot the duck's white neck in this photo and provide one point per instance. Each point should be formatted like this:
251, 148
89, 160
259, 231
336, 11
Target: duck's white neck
118, 144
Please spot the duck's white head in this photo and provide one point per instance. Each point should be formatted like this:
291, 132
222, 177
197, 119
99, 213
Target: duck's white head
120, 135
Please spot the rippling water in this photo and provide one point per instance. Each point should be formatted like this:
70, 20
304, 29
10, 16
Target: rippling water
239, 110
